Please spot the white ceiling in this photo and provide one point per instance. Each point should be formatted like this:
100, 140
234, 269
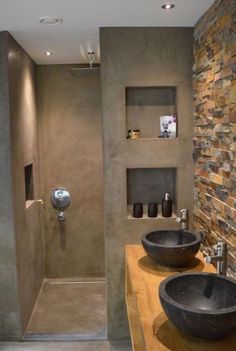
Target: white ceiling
79, 32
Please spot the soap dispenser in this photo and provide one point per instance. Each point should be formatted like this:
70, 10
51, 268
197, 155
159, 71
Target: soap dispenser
167, 206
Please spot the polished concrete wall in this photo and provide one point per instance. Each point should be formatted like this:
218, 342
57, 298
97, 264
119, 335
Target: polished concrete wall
22, 241
9, 303
138, 57
69, 110
24, 151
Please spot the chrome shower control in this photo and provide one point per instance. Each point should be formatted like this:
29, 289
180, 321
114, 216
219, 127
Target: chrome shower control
60, 199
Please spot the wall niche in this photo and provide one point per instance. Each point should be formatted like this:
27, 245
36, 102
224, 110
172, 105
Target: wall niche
152, 111
146, 185
29, 182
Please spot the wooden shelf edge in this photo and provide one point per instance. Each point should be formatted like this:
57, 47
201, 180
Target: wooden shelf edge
156, 138
136, 333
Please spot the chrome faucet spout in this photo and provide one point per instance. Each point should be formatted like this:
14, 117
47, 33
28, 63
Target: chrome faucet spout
213, 259
183, 219
220, 258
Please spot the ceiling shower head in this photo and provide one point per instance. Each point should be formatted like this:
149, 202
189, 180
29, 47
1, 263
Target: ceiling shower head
84, 71
90, 69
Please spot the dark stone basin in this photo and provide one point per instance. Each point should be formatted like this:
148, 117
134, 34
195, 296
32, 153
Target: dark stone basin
200, 304
173, 248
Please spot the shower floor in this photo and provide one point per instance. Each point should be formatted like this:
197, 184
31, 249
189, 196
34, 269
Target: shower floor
69, 309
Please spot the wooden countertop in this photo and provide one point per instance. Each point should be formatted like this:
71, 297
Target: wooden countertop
149, 326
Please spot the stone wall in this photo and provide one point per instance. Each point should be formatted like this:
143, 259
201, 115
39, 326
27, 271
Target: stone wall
214, 84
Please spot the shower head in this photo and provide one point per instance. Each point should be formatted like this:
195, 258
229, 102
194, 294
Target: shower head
90, 69
84, 70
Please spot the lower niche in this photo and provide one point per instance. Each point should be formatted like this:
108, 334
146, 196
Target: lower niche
149, 185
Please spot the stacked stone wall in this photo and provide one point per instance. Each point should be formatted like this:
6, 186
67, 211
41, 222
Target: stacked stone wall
214, 87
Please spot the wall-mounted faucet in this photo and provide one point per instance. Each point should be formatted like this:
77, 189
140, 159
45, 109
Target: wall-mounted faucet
183, 219
60, 199
220, 257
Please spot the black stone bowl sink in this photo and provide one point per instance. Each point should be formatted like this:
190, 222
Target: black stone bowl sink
200, 304
173, 248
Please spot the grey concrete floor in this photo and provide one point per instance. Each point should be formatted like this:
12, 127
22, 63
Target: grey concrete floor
69, 310
65, 346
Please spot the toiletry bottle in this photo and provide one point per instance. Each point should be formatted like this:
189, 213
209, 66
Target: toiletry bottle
167, 206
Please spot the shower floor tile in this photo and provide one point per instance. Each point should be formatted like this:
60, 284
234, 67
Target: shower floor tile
66, 346
69, 309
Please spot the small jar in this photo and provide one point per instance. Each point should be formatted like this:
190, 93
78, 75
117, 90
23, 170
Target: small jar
152, 209
133, 134
138, 210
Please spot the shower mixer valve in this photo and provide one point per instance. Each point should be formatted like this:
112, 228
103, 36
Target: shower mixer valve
61, 216
60, 199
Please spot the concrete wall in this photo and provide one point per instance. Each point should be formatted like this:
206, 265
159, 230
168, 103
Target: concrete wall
69, 111
10, 315
22, 241
138, 57
215, 126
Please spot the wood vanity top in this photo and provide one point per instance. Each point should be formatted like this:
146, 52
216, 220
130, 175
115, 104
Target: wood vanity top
149, 326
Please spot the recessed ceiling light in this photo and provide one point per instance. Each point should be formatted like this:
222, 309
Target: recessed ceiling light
48, 53
50, 20
168, 6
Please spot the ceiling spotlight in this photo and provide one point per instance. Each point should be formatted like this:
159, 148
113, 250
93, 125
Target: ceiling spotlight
50, 20
48, 53
168, 6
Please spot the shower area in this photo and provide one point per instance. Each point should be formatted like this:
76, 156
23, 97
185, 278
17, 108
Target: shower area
71, 303
53, 257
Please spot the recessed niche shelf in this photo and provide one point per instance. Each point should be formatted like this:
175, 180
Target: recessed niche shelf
149, 139
144, 108
29, 182
145, 185
145, 217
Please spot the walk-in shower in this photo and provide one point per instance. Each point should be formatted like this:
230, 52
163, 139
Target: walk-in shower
71, 304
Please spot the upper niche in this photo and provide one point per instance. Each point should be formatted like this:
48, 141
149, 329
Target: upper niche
145, 106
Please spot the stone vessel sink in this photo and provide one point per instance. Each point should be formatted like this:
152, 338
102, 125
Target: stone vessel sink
173, 248
200, 304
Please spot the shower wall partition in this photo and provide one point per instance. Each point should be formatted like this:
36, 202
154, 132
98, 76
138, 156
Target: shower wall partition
38, 257
21, 242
